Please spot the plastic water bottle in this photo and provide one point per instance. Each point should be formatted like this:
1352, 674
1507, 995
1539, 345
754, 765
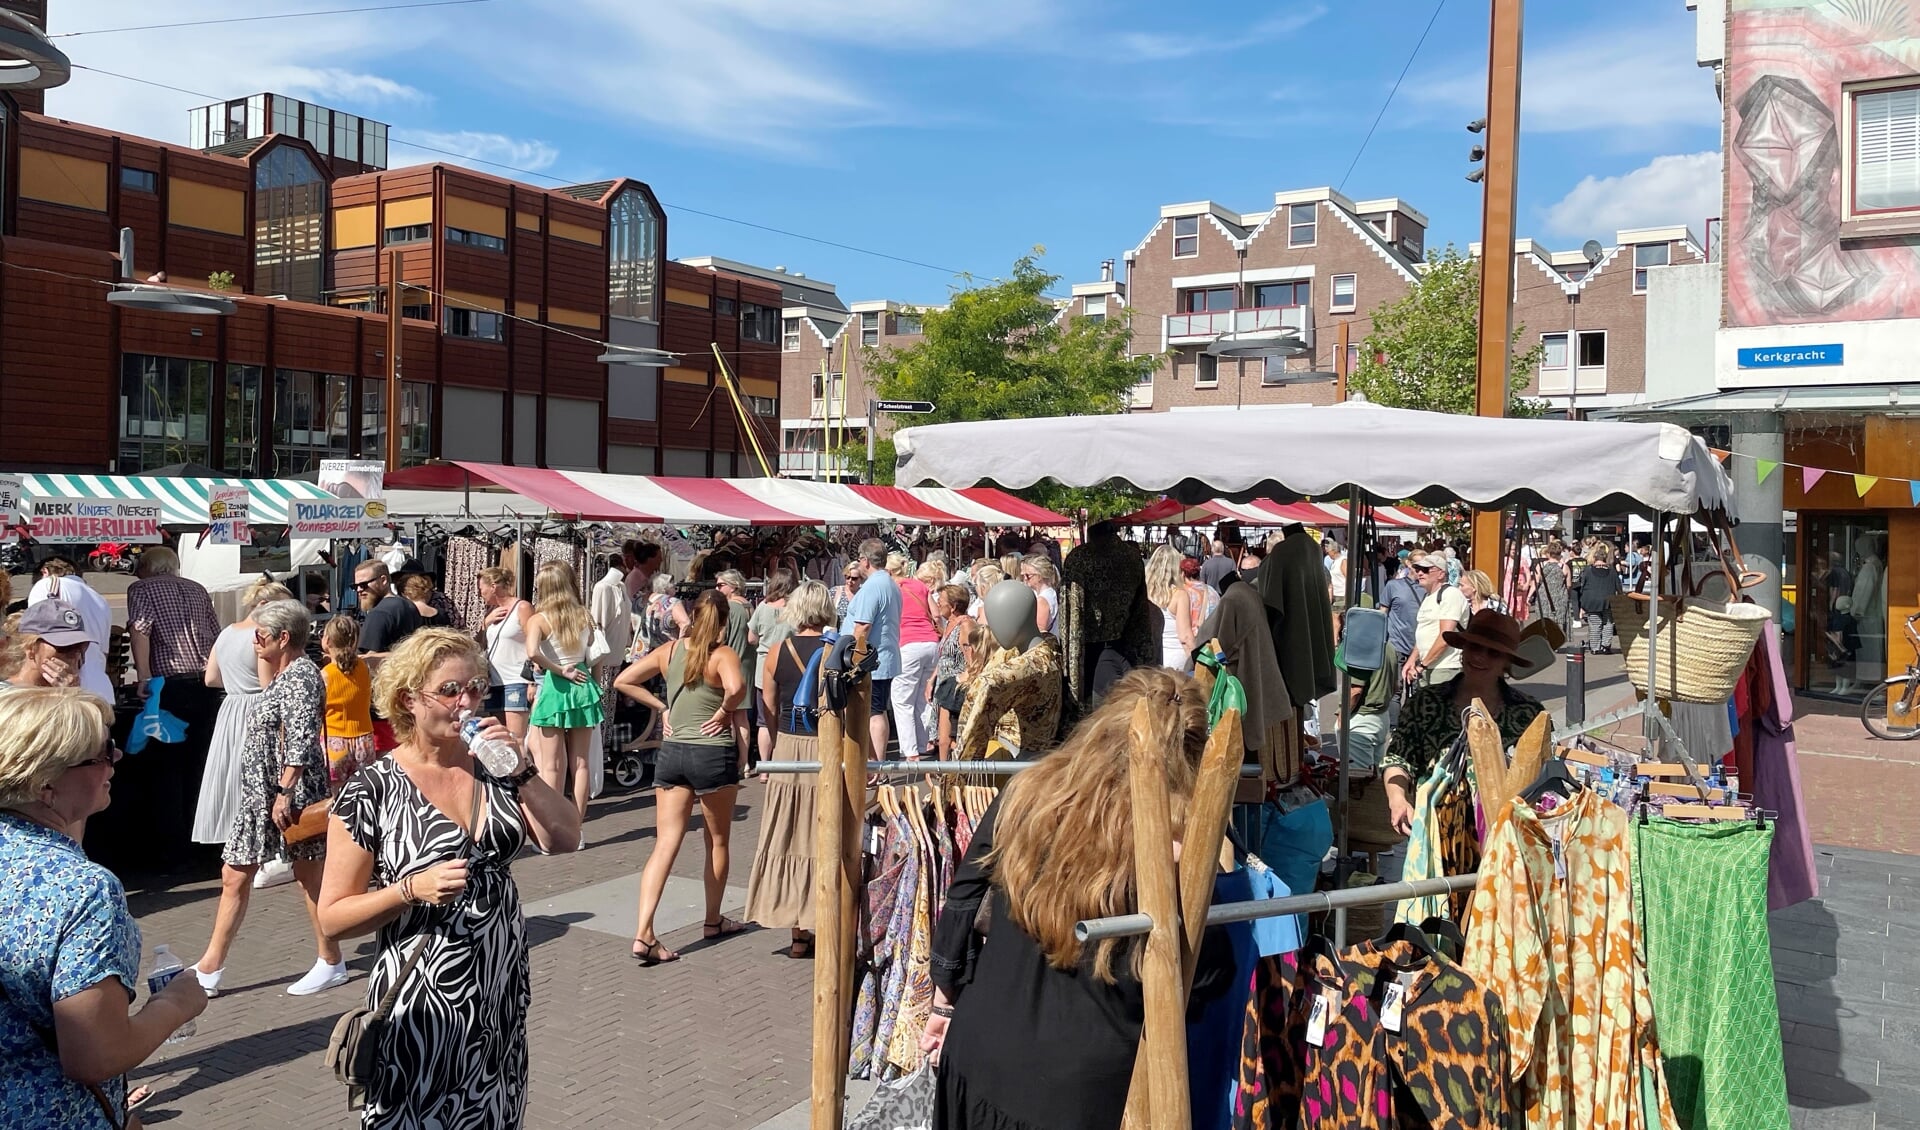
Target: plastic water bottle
165, 968
499, 758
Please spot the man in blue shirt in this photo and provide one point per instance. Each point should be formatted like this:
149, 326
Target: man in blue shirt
1401, 602
873, 620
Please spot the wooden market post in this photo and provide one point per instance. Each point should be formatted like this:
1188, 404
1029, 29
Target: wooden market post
1165, 1029
840, 803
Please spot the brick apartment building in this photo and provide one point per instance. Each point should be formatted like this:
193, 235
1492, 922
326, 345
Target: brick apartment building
509, 291
1591, 317
824, 386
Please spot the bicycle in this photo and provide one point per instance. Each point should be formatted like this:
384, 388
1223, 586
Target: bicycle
1891, 718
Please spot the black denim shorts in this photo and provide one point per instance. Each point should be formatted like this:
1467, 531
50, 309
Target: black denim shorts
702, 768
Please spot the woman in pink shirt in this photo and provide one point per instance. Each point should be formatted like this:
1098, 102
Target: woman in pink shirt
919, 654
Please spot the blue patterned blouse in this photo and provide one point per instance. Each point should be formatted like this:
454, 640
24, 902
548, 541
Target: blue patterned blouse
64, 928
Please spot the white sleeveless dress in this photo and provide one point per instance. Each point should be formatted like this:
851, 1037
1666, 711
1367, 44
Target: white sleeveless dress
220, 783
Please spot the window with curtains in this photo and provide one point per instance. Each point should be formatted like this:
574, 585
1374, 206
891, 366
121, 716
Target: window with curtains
311, 420
165, 412
1885, 146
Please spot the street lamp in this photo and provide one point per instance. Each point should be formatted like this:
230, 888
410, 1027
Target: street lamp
1593, 253
169, 300
27, 60
638, 357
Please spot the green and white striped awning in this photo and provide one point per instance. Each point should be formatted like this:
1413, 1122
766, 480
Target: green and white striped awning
184, 500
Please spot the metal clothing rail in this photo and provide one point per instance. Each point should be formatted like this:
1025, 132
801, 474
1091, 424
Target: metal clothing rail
1129, 925
929, 768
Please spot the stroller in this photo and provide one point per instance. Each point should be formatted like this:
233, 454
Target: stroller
630, 738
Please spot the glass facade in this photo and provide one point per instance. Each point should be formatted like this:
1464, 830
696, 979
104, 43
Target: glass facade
633, 257
289, 226
1843, 603
241, 420
165, 411
311, 420
416, 420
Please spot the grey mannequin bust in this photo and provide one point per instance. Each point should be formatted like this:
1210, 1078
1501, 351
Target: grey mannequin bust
1012, 614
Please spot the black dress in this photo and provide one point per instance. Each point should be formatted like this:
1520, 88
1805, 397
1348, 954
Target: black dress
1031, 1047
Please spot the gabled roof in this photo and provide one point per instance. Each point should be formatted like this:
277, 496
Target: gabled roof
1241, 228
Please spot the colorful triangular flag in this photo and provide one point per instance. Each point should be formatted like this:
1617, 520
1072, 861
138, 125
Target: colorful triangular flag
1913, 488
1808, 477
1864, 483
1764, 467
1720, 454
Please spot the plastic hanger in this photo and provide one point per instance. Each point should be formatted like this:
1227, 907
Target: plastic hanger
1553, 778
1446, 936
1408, 932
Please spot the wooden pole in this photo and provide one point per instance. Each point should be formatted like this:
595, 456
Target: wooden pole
1340, 363
853, 761
394, 302
1165, 1031
1496, 245
832, 946
1207, 815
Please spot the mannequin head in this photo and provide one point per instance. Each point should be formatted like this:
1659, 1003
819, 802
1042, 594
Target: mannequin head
1011, 615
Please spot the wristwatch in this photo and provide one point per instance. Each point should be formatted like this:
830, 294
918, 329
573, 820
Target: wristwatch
525, 775
283, 790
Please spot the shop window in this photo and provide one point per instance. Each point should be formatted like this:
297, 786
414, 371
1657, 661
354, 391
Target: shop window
1841, 613
311, 420
416, 419
242, 420
1186, 237
165, 412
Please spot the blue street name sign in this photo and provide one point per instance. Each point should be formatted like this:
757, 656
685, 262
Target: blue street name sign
1792, 356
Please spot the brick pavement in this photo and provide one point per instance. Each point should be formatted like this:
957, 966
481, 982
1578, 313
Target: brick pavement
720, 1039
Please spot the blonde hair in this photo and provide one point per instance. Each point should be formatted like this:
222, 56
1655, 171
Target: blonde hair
48, 731
263, 590
1063, 844
931, 573
977, 638
13, 653
810, 606
897, 565
341, 641
1482, 583
1164, 577
498, 576
985, 577
1010, 566
556, 596
408, 667
1041, 564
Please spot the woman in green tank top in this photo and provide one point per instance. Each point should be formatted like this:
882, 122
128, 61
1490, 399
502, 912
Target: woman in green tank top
701, 758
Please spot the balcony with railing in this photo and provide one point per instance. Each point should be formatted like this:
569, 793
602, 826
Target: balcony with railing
817, 465
1207, 325
836, 408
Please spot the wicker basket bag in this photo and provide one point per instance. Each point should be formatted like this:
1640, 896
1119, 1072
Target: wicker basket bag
1704, 645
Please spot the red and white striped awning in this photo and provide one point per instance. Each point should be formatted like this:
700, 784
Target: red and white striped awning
596, 496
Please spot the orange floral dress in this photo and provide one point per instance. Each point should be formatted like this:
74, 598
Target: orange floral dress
1552, 931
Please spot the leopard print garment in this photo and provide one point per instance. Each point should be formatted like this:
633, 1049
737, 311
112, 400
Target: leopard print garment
1447, 1068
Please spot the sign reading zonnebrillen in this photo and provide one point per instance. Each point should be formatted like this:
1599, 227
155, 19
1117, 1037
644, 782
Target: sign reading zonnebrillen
60, 519
10, 492
228, 516
359, 509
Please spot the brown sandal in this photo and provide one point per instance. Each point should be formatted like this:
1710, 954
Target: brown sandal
725, 928
801, 949
653, 953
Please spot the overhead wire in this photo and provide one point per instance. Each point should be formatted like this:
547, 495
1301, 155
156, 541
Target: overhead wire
269, 16
1422, 42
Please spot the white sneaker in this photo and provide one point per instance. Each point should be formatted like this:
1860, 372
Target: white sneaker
209, 982
583, 840
272, 873
319, 979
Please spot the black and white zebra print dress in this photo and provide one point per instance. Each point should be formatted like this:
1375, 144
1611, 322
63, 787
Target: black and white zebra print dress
455, 1051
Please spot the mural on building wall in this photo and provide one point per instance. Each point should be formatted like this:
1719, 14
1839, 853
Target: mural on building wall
1787, 61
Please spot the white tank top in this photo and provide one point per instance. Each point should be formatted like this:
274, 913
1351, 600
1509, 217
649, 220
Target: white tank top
507, 649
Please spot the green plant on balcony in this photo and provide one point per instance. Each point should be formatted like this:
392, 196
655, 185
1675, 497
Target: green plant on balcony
220, 280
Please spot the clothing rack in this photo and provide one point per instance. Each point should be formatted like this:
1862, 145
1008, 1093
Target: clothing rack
1130, 925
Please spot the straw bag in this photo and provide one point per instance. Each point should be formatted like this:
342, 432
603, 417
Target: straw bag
1704, 643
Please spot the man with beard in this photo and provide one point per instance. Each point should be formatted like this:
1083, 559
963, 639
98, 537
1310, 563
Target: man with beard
390, 617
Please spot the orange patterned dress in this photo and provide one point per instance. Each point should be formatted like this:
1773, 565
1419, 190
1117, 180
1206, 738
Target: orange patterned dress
1552, 931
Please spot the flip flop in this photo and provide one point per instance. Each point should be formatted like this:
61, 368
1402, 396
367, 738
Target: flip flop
138, 1097
725, 928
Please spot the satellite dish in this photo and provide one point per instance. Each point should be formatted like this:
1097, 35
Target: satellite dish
1593, 251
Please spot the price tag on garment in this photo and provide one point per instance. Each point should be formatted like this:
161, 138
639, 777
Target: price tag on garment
1559, 859
1393, 1006
1319, 1016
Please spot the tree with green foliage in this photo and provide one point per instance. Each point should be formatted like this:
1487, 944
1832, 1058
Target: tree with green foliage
1002, 351
1424, 351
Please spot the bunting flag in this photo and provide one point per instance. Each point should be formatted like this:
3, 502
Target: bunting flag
1864, 483
1913, 488
1764, 467
1721, 454
1808, 477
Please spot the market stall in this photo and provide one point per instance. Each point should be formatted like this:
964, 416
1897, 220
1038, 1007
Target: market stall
1265, 512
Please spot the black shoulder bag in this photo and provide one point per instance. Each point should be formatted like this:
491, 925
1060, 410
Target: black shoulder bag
353, 1051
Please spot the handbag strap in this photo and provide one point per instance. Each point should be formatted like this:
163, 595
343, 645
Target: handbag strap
392, 995
114, 1118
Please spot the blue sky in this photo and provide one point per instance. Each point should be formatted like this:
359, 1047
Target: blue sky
960, 133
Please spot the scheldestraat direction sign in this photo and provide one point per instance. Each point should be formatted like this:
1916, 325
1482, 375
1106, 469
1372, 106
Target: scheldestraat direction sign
912, 407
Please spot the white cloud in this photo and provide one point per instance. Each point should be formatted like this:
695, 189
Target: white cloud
1610, 80
475, 149
343, 85
1154, 46
1676, 189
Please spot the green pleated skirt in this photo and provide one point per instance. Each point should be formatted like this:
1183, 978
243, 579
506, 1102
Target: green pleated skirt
564, 704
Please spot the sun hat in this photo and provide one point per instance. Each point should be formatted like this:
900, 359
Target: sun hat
1490, 629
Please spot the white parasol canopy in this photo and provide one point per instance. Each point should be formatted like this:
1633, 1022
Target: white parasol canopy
1391, 453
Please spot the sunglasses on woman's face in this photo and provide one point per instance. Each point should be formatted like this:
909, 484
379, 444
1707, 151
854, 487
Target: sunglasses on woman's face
451, 690
109, 753
262, 636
